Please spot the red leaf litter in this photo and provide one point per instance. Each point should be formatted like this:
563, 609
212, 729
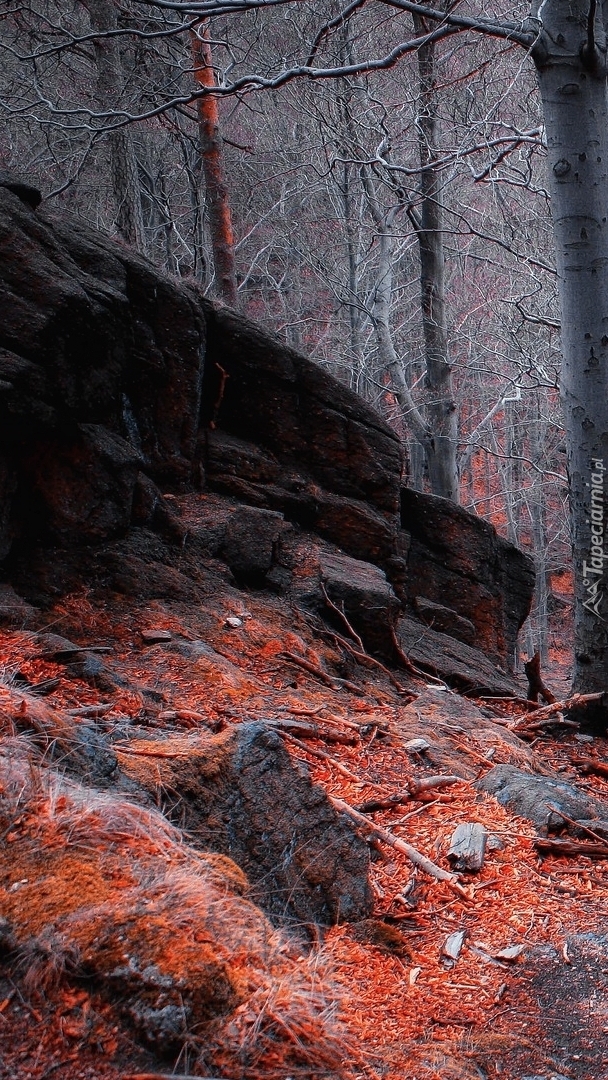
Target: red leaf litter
411, 1012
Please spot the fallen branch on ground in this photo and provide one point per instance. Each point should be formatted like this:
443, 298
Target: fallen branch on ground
559, 847
334, 682
314, 752
314, 731
414, 789
577, 701
577, 824
415, 857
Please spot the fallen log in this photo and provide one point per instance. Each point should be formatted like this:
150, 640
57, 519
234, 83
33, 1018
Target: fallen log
415, 857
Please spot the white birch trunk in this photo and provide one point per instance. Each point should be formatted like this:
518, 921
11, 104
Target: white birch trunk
571, 66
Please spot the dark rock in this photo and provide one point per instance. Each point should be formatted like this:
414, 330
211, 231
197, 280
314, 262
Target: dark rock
368, 601
93, 335
465, 669
80, 487
280, 401
27, 193
457, 559
14, 611
241, 795
133, 576
249, 543
529, 796
445, 620
286, 436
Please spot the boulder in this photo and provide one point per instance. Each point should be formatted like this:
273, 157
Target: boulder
465, 669
249, 543
458, 560
240, 794
530, 796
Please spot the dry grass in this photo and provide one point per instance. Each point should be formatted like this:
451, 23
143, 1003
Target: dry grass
100, 887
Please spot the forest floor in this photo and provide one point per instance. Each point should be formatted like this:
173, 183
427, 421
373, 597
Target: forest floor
538, 1010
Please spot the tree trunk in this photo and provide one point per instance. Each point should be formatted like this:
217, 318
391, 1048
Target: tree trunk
218, 201
571, 66
123, 164
441, 409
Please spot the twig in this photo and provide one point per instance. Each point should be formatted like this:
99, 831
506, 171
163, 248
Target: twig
409, 666
314, 731
224, 376
321, 754
335, 684
415, 857
577, 824
342, 616
123, 748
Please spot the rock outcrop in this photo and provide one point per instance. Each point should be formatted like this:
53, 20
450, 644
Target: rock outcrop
117, 383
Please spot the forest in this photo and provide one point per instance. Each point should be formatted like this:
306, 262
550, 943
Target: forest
303, 436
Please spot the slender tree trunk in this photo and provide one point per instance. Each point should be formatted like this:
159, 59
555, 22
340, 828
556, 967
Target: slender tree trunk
123, 163
571, 65
216, 187
441, 407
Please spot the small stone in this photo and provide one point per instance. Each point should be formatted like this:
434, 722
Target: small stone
417, 746
234, 622
153, 636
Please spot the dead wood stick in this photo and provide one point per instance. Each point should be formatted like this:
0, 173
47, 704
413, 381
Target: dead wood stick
577, 824
573, 848
314, 731
539, 725
372, 805
334, 683
429, 783
590, 765
122, 748
409, 666
322, 755
576, 701
343, 619
89, 710
415, 857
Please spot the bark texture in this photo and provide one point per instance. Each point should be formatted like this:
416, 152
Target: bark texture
218, 200
571, 64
